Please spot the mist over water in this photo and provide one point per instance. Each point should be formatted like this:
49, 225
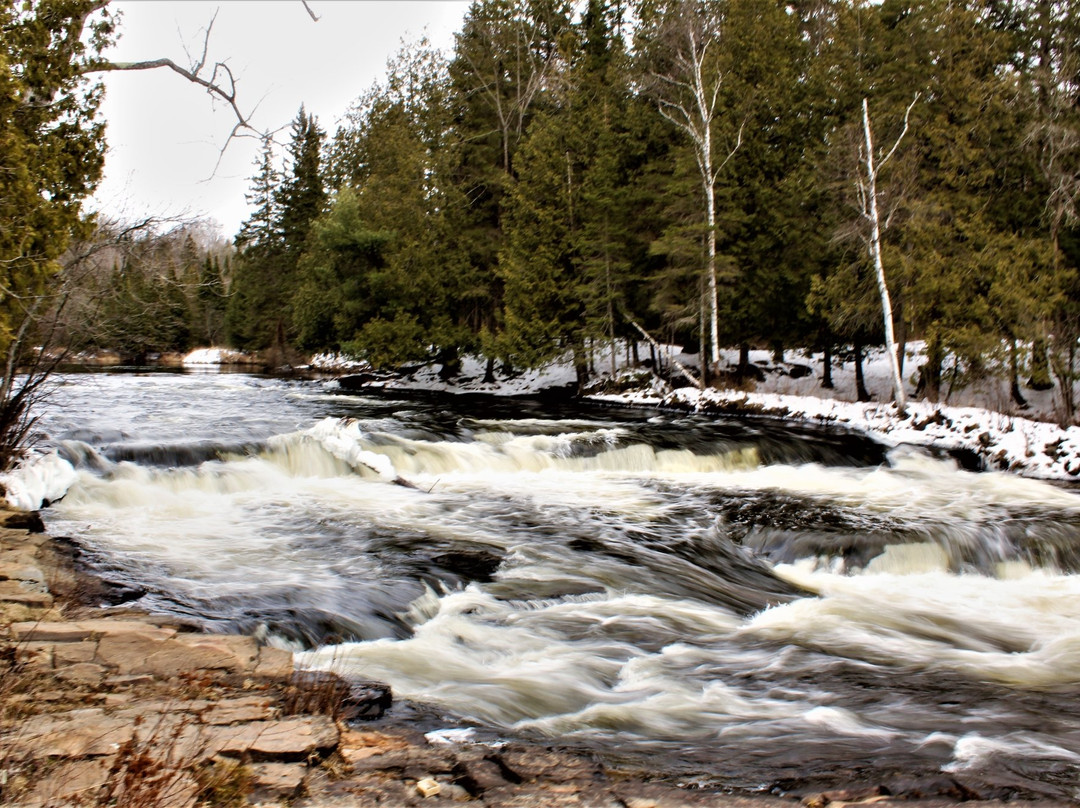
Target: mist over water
742, 602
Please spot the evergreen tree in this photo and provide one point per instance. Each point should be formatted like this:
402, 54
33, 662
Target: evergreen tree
566, 262
52, 150
274, 238
504, 60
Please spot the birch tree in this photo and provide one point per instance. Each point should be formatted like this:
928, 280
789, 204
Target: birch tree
687, 93
868, 197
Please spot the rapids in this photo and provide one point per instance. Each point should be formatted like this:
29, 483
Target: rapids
732, 601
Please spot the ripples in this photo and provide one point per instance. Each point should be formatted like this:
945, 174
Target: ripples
734, 600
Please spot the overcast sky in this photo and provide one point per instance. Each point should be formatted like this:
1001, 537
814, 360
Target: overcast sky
165, 135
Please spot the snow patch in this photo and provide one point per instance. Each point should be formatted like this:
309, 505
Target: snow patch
337, 362
41, 477
218, 356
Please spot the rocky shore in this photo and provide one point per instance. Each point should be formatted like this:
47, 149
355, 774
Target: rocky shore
111, 706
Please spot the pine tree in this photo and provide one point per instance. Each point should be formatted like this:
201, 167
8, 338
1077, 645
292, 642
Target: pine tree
273, 239
260, 249
504, 60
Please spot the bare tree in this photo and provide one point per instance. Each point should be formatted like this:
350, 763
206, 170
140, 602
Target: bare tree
867, 188
687, 94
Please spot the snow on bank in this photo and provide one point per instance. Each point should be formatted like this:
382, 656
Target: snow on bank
218, 356
1004, 442
470, 379
331, 362
792, 390
41, 477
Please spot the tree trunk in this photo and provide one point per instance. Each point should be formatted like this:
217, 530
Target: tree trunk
742, 370
826, 366
1063, 370
1014, 377
451, 364
930, 372
1040, 367
861, 393
714, 294
879, 267
489, 371
581, 367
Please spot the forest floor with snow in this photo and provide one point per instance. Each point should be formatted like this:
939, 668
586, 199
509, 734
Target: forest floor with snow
979, 420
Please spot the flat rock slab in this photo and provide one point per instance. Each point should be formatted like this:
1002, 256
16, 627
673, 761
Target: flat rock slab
277, 781
28, 593
75, 782
15, 571
82, 673
287, 739
274, 663
232, 711
79, 630
76, 734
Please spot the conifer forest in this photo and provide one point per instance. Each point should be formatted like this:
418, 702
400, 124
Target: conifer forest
827, 174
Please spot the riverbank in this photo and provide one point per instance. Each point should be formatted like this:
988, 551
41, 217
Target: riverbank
982, 428
112, 706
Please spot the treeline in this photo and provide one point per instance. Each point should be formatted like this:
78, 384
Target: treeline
696, 168
141, 289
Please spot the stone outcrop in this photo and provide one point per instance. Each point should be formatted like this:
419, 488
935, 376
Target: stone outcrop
98, 705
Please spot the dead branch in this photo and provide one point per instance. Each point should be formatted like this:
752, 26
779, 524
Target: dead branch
679, 366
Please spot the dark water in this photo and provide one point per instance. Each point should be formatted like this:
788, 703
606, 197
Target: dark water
740, 602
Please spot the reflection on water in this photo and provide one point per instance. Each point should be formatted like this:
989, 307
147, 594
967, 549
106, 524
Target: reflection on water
734, 600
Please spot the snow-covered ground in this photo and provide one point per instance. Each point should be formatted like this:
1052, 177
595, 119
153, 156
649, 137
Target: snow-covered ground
218, 356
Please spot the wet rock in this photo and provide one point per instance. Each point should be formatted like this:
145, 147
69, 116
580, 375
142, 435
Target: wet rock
366, 701
927, 787
479, 776
472, 565
24, 520
521, 763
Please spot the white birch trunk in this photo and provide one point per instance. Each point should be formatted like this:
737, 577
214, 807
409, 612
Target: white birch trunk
879, 267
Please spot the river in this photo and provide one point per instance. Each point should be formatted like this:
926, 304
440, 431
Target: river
733, 602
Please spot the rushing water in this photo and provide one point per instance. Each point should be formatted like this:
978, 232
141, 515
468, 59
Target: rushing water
736, 601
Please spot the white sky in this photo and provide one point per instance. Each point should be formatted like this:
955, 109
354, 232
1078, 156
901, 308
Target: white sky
165, 134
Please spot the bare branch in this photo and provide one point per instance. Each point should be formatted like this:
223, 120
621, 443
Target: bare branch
735, 148
907, 118
226, 95
309, 11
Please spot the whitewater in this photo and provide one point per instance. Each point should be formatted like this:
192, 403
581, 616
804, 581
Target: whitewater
737, 601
